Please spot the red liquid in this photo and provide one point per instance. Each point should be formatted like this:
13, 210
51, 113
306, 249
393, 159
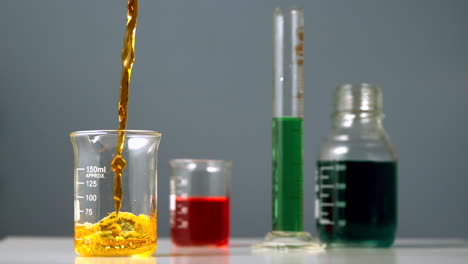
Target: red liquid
200, 221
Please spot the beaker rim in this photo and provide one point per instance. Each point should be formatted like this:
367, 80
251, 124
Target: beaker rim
115, 132
226, 163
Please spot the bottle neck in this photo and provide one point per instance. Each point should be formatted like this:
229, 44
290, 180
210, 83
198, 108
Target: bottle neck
362, 119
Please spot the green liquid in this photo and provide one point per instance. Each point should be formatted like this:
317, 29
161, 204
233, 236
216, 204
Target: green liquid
287, 174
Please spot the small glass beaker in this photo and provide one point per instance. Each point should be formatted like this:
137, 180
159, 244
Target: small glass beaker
100, 229
199, 202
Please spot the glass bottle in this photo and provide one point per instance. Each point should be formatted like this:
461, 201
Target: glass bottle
356, 183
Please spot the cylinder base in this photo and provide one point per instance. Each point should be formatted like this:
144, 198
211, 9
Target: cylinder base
288, 241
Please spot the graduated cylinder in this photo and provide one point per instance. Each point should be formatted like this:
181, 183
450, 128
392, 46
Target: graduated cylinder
288, 112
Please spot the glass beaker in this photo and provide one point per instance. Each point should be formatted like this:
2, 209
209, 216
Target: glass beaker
99, 229
357, 173
199, 202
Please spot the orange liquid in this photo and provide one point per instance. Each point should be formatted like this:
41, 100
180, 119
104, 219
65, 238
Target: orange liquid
124, 234
128, 57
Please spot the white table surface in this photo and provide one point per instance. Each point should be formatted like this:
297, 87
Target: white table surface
60, 250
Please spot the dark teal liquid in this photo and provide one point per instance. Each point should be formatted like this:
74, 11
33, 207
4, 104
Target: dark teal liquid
361, 208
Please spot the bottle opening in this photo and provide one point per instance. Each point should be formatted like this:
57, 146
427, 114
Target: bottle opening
358, 98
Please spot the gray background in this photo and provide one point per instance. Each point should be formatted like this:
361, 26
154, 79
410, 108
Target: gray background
203, 77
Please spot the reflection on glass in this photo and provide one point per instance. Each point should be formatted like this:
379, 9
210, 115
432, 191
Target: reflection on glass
288, 259
116, 260
357, 256
200, 255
